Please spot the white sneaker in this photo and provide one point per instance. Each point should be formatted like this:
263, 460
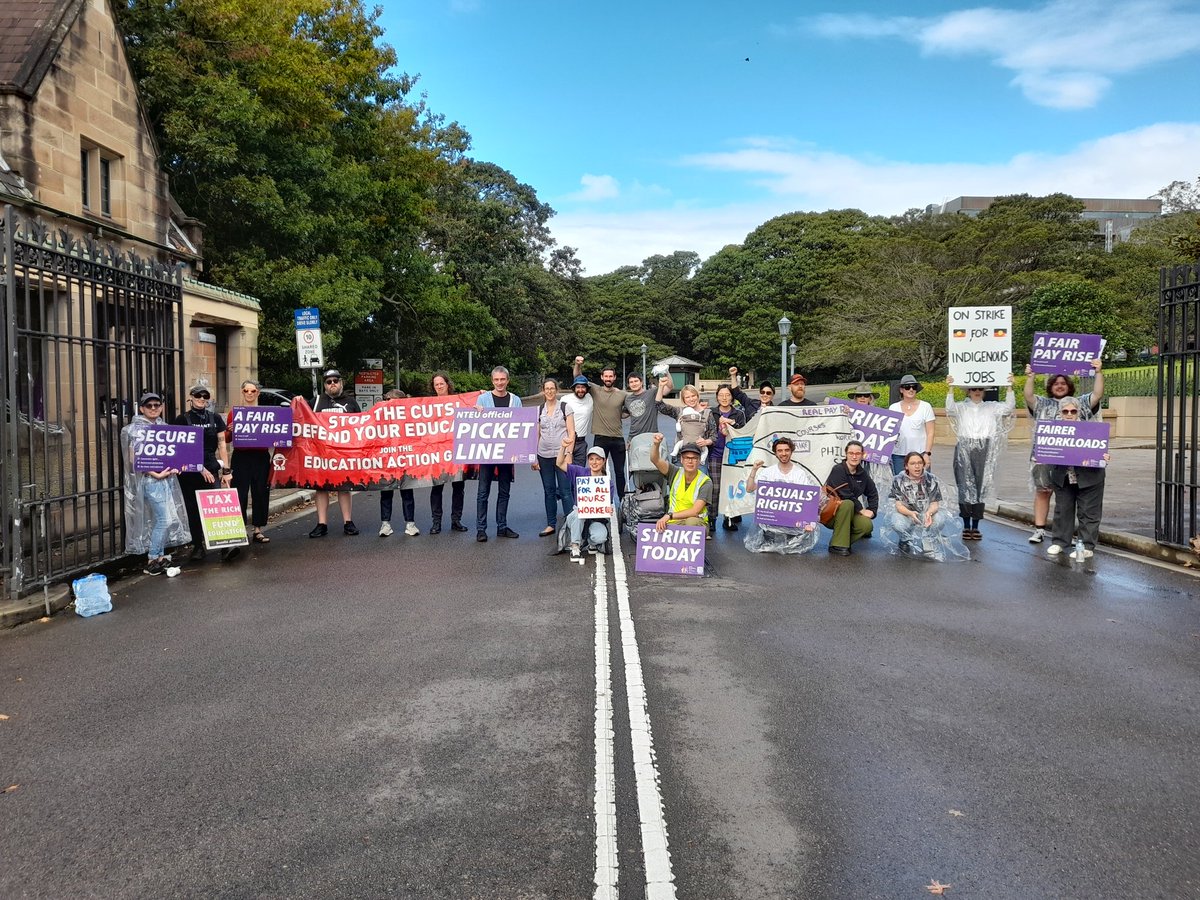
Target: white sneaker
385, 529
1054, 550
575, 551
411, 529
1037, 536
1086, 554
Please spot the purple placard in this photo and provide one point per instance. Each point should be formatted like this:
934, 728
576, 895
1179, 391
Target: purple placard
496, 435
785, 505
878, 429
261, 427
158, 447
1064, 354
1060, 443
676, 550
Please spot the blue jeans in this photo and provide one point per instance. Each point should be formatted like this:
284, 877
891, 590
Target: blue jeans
503, 476
597, 530
158, 504
556, 487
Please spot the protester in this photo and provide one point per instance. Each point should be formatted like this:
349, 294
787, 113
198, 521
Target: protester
155, 513
596, 530
608, 406
216, 472
689, 489
851, 481
642, 408
797, 385
766, 395
555, 424
694, 424
1078, 496
864, 395
774, 538
441, 386
497, 398
335, 399
982, 427
1058, 387
408, 502
727, 416
252, 472
917, 524
916, 431
579, 401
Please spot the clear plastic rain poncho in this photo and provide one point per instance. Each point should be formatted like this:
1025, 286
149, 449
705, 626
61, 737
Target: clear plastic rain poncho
138, 514
941, 540
773, 539
982, 429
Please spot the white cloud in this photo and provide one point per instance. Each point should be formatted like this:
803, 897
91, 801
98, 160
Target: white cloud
596, 187
1131, 164
1061, 52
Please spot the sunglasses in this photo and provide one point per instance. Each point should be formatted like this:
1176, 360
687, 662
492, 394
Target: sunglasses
153, 404
908, 387
249, 391
333, 381
1069, 412
766, 393
201, 395
975, 389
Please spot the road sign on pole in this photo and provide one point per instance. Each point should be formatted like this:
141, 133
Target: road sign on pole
308, 338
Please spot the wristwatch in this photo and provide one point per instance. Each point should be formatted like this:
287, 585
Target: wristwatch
227, 471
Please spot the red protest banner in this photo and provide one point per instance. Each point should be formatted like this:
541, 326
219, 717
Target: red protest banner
373, 449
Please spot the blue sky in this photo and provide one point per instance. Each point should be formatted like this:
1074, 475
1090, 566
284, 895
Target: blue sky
648, 130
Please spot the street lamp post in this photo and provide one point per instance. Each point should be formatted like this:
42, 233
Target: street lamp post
785, 328
644, 349
792, 355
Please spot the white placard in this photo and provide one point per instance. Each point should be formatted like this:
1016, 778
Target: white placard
980, 345
308, 348
593, 497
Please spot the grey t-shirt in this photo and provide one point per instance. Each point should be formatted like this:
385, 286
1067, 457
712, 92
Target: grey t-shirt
643, 413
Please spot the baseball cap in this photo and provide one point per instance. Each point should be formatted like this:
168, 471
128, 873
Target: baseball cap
689, 448
148, 396
798, 379
597, 451
332, 373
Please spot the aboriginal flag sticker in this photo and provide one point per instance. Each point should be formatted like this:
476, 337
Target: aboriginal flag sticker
1000, 332
960, 332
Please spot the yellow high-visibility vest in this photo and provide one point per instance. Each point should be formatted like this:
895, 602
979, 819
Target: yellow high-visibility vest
684, 497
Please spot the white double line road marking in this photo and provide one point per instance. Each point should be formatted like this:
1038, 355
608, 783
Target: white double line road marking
660, 883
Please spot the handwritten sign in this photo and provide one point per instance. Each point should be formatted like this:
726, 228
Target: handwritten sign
496, 435
261, 426
980, 345
1064, 354
1060, 443
593, 497
785, 505
676, 550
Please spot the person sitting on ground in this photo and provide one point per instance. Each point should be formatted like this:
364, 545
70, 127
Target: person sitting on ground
851, 481
982, 427
596, 529
770, 537
689, 489
1078, 497
917, 524
1047, 407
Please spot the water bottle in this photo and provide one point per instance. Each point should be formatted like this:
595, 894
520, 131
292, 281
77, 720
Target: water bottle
91, 595
1078, 549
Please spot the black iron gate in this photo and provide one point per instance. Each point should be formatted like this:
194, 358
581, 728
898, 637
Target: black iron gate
1177, 473
86, 328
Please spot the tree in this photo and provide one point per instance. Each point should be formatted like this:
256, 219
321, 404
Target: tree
1073, 305
1180, 196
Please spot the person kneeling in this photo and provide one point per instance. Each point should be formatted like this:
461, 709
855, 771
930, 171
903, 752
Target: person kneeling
576, 527
690, 490
776, 539
917, 525
851, 481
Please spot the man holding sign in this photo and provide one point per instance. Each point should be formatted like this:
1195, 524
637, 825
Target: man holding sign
593, 508
690, 490
784, 483
497, 398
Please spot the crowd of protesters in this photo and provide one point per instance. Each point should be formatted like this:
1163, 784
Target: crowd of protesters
588, 432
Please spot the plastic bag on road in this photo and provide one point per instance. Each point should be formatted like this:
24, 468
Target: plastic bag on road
91, 595
780, 540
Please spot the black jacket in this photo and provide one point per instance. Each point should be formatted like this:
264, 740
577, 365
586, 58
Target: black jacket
857, 486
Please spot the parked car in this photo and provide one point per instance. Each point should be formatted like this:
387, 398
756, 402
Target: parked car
275, 397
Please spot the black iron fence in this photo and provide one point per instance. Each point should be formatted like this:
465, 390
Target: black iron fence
1177, 474
87, 327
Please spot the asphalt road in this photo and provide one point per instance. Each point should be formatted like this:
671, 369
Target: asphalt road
416, 717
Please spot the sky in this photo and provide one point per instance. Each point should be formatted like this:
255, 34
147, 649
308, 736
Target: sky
662, 125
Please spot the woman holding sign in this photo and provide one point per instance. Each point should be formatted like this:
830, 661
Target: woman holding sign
918, 524
442, 386
1078, 497
1058, 388
155, 515
981, 427
252, 472
597, 529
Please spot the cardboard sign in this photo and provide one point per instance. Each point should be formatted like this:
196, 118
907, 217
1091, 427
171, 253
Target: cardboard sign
158, 447
1057, 442
261, 427
786, 505
593, 497
221, 517
1064, 354
676, 550
980, 345
496, 435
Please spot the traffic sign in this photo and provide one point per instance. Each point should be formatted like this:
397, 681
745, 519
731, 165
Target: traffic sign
308, 317
308, 338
